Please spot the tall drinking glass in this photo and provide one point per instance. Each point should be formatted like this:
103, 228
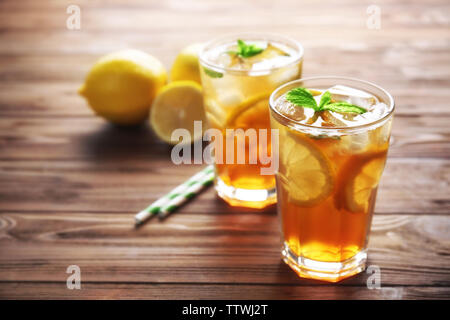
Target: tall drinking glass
330, 167
237, 84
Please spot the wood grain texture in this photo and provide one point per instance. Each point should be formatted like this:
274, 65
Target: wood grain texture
77, 185
70, 183
228, 247
46, 290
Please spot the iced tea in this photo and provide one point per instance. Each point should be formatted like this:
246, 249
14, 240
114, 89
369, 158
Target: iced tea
330, 166
237, 87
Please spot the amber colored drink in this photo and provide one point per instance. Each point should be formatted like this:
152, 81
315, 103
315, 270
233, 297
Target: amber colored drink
330, 167
236, 95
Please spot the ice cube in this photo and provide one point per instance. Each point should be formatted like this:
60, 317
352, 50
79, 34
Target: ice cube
375, 112
358, 142
290, 110
224, 60
379, 109
228, 98
222, 104
268, 64
283, 75
215, 109
354, 143
273, 56
274, 51
353, 96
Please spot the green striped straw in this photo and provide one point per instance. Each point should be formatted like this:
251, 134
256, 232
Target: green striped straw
177, 196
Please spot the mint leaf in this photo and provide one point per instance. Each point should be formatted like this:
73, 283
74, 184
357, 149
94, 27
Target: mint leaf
325, 99
344, 107
302, 97
247, 50
212, 73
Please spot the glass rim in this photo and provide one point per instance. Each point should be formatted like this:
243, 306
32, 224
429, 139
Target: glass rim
257, 36
390, 102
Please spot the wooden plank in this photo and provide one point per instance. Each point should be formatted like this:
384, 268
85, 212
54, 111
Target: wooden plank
127, 184
162, 16
64, 41
204, 248
165, 15
57, 99
409, 62
93, 138
33, 290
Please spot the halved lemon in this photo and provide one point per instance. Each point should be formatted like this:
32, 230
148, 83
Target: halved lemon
359, 177
177, 106
186, 66
305, 171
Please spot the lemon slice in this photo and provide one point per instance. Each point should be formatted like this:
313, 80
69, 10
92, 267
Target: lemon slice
213, 120
315, 92
306, 172
360, 176
216, 114
248, 114
178, 105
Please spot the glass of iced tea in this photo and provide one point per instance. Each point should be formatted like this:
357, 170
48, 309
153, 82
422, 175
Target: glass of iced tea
333, 140
239, 72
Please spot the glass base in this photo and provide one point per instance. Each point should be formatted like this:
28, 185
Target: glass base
326, 271
248, 198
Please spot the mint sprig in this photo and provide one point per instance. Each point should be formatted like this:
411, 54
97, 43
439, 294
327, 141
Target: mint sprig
246, 50
303, 98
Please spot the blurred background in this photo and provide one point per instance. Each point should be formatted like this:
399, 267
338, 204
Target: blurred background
397, 44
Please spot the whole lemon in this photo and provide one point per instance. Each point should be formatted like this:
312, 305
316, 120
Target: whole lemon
186, 66
121, 86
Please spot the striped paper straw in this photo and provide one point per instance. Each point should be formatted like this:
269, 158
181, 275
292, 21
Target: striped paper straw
177, 196
193, 189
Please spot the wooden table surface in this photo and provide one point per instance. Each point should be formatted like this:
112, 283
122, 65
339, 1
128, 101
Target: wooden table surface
70, 183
